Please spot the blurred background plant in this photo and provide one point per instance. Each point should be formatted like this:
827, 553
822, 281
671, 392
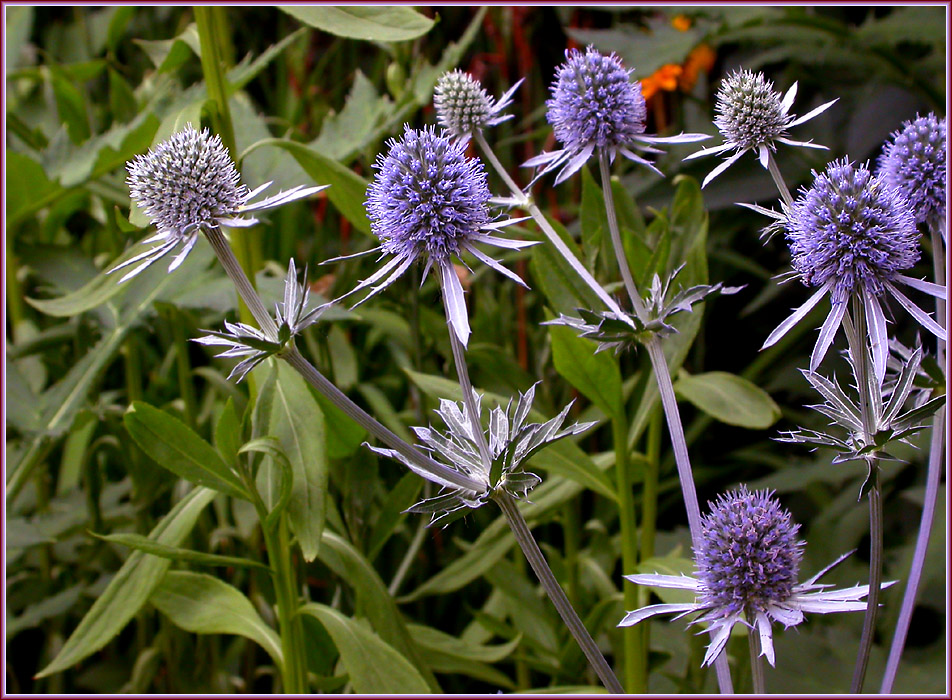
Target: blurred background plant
313, 94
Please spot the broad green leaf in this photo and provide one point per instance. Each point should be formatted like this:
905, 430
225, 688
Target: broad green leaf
130, 588
26, 192
561, 286
729, 398
347, 189
150, 546
595, 375
485, 553
367, 22
373, 599
344, 436
174, 446
169, 54
70, 105
592, 215
374, 666
203, 604
393, 512
74, 452
350, 130
447, 654
296, 421
34, 615
644, 51
228, 433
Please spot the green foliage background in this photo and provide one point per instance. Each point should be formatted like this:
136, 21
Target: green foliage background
314, 94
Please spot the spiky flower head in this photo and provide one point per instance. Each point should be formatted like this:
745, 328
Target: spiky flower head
189, 183
596, 105
427, 197
461, 102
594, 101
748, 554
914, 163
186, 181
852, 229
749, 111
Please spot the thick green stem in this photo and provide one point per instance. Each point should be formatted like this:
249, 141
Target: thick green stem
635, 657
279, 555
552, 588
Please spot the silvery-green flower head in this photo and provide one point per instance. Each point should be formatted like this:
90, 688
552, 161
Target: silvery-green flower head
851, 234
748, 560
596, 106
188, 183
752, 116
512, 440
463, 106
913, 162
429, 201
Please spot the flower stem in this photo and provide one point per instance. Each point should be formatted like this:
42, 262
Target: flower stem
669, 403
856, 335
310, 373
756, 664
552, 588
778, 178
933, 481
635, 656
649, 517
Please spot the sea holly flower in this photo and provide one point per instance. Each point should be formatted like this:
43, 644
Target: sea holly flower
752, 116
661, 306
595, 105
463, 107
253, 344
851, 234
748, 561
512, 441
189, 183
428, 200
913, 162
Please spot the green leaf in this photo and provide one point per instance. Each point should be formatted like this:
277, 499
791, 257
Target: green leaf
26, 191
374, 666
176, 447
373, 599
169, 54
347, 189
228, 433
70, 105
297, 423
367, 22
344, 436
592, 215
447, 654
150, 546
122, 101
130, 588
595, 375
729, 398
351, 130
202, 604
561, 286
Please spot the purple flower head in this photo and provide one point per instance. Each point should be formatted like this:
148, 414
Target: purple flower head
462, 105
851, 234
595, 105
188, 183
749, 554
914, 163
429, 200
752, 116
747, 563
850, 228
427, 197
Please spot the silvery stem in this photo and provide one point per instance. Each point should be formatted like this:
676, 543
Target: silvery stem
933, 481
552, 588
310, 373
778, 178
550, 233
756, 665
668, 401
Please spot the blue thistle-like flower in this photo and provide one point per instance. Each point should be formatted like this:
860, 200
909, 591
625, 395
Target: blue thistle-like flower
913, 162
595, 105
188, 183
429, 200
850, 233
463, 106
752, 116
747, 563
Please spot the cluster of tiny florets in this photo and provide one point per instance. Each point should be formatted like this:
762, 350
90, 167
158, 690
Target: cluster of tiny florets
852, 228
186, 180
749, 555
914, 163
427, 195
749, 111
461, 103
594, 102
